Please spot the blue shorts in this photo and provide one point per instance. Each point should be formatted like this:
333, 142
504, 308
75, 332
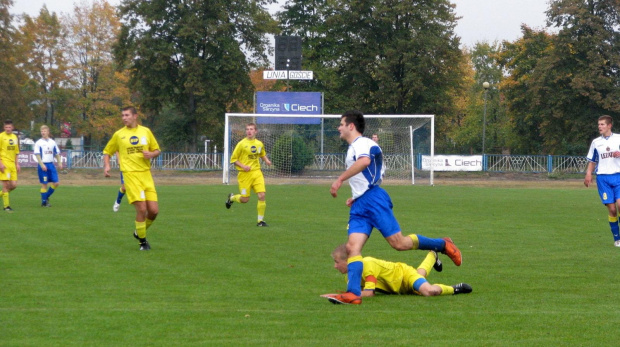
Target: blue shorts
373, 209
608, 187
49, 176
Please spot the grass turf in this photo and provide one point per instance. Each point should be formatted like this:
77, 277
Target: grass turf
541, 262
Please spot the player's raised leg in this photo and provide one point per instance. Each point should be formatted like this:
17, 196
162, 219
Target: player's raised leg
415, 241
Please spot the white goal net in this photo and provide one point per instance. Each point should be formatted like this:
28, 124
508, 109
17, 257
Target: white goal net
307, 148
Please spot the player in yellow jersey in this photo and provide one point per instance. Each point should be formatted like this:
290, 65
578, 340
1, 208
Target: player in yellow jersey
136, 146
9, 165
396, 278
250, 177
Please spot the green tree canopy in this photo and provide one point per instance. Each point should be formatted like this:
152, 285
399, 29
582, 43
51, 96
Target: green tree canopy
194, 56
381, 56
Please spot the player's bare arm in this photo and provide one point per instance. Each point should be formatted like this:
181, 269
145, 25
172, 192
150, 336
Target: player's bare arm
151, 155
244, 167
357, 167
588, 178
41, 165
106, 165
266, 160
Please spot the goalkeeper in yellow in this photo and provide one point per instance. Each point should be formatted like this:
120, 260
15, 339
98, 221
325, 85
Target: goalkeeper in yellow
136, 146
250, 177
397, 278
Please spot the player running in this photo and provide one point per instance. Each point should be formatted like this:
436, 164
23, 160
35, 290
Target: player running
250, 177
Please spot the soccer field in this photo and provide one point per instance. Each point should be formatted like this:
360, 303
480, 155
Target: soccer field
541, 262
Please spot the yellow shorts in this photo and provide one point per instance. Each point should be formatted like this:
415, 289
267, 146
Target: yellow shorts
410, 275
9, 174
140, 186
253, 180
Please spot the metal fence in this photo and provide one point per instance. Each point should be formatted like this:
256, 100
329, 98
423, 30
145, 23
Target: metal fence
336, 161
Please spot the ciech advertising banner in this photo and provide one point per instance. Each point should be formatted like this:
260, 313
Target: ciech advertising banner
289, 103
453, 163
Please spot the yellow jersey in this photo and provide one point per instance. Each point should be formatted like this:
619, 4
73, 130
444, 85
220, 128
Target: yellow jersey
384, 276
129, 143
9, 148
247, 152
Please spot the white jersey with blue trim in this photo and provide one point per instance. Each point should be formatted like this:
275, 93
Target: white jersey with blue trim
373, 174
601, 152
47, 149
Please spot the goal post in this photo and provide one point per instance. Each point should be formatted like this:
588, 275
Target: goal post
307, 148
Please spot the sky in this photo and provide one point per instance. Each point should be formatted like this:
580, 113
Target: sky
482, 20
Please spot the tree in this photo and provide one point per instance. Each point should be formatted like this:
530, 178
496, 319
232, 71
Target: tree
560, 84
522, 62
100, 91
12, 79
44, 61
581, 76
195, 56
381, 56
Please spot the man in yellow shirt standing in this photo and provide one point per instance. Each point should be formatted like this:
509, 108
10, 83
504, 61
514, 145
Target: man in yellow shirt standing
9, 165
136, 146
250, 177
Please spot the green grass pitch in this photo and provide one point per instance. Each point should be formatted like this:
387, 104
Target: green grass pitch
541, 262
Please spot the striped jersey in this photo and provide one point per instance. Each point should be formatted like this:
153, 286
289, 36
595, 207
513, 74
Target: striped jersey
370, 176
47, 149
601, 152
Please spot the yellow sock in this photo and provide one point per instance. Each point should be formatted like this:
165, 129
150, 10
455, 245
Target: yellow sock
141, 229
428, 262
445, 290
261, 207
5, 199
612, 219
148, 223
416, 242
236, 198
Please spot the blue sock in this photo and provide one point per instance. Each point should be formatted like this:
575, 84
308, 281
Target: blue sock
120, 196
615, 230
428, 244
49, 193
43, 197
354, 274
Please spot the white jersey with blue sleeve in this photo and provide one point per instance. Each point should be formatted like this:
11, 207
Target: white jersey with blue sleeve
373, 174
601, 152
47, 149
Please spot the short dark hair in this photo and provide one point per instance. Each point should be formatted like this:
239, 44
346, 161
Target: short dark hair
357, 118
8, 121
607, 119
131, 109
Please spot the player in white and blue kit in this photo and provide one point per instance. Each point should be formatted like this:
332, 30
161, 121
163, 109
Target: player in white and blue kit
45, 150
603, 155
371, 207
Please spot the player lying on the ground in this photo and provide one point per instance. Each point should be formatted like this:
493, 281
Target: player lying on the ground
396, 278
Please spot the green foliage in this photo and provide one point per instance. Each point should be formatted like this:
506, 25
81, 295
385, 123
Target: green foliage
69, 144
560, 84
194, 56
379, 56
290, 153
224, 282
